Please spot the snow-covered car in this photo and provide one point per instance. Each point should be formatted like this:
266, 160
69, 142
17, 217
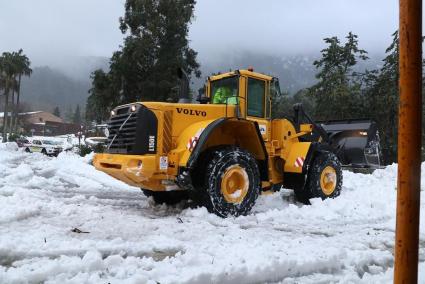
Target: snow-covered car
47, 147
95, 141
64, 144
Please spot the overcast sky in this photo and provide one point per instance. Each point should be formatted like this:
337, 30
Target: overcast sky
53, 30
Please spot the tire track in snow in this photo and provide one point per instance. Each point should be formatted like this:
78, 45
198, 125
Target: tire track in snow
349, 238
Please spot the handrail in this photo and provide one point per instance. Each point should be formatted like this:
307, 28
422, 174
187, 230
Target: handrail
238, 104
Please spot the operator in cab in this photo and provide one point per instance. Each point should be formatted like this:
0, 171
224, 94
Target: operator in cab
223, 95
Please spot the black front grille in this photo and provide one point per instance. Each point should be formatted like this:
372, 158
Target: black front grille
123, 140
133, 132
123, 110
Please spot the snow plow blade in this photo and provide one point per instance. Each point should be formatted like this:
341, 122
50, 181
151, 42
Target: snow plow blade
356, 143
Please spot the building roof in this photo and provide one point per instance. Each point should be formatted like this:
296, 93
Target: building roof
22, 113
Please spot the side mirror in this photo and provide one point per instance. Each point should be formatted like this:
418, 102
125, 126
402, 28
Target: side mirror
202, 99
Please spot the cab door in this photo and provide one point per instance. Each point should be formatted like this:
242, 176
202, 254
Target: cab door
258, 104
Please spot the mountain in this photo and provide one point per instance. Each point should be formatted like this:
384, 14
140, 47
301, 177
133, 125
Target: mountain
80, 67
63, 83
67, 84
47, 88
294, 72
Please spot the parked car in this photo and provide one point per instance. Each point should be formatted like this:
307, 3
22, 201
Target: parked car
47, 147
22, 142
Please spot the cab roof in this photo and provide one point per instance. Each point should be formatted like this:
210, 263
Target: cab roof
240, 72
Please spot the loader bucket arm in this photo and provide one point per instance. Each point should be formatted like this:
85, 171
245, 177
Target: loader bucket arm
318, 130
355, 141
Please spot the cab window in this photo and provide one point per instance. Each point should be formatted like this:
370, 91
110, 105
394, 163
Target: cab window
225, 91
256, 94
275, 94
36, 142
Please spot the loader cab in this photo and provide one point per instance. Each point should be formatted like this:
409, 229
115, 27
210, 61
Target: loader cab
250, 92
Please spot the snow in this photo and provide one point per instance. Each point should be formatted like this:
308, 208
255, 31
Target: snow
21, 113
236, 194
63, 221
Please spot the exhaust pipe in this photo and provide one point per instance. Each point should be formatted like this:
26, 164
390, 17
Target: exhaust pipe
184, 94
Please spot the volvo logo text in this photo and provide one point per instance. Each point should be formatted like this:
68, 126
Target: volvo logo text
191, 111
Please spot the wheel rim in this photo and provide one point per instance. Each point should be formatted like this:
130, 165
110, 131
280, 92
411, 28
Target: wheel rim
328, 180
234, 184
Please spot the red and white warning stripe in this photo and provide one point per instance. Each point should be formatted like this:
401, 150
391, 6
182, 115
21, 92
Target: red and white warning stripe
299, 162
194, 140
192, 143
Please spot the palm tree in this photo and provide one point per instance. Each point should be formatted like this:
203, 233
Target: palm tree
22, 69
8, 83
2, 83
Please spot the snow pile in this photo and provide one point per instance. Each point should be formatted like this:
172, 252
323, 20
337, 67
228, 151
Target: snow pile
11, 146
63, 221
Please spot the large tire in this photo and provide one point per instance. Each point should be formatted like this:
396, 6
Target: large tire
167, 197
43, 151
229, 182
324, 179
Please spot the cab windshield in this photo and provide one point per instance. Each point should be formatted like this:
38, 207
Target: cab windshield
225, 91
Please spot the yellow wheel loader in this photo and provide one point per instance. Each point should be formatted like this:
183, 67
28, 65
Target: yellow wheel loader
224, 151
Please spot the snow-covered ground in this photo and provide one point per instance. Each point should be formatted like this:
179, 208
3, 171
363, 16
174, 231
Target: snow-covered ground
61, 221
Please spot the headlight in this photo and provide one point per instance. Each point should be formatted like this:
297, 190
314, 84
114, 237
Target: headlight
133, 108
112, 112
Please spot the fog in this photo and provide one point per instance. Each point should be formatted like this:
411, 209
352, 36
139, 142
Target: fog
52, 32
290, 27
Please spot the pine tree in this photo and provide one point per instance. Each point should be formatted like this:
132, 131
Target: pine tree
77, 116
158, 41
103, 97
283, 106
145, 68
57, 112
336, 94
69, 115
381, 99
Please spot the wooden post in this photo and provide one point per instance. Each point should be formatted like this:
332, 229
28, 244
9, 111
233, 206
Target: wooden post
409, 142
